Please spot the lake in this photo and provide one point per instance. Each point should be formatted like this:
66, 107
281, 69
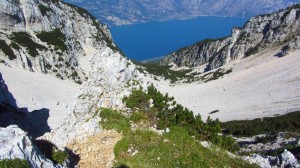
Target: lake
155, 39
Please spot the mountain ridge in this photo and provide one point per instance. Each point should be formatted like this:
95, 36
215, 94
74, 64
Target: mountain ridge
122, 12
260, 32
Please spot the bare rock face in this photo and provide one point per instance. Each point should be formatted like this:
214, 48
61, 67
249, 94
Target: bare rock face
51, 37
286, 159
14, 143
277, 29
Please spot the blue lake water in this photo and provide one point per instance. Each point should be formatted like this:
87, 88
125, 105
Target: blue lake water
155, 39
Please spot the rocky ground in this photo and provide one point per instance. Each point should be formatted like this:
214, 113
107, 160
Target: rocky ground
271, 151
100, 154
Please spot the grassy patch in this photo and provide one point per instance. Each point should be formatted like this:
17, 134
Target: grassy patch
55, 38
14, 163
266, 125
24, 39
137, 117
7, 50
112, 119
177, 148
59, 156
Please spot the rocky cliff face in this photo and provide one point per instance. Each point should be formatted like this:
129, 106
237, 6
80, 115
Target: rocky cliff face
50, 37
14, 143
261, 32
121, 12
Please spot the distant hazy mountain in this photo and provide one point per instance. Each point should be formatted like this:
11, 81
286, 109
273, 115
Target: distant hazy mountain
119, 12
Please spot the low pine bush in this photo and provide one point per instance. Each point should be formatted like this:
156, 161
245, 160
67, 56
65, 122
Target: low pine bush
14, 163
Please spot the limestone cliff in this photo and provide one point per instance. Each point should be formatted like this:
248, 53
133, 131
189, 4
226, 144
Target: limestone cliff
278, 29
14, 143
51, 37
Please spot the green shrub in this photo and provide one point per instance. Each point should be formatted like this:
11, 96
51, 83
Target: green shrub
55, 38
7, 50
44, 9
14, 163
112, 119
137, 117
241, 37
265, 139
177, 148
266, 125
294, 149
51, 151
164, 117
59, 156
24, 39
251, 51
15, 46
137, 99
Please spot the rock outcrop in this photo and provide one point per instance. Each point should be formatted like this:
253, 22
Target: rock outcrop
278, 29
51, 37
14, 143
286, 159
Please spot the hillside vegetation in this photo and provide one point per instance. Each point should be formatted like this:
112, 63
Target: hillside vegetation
143, 147
177, 144
266, 125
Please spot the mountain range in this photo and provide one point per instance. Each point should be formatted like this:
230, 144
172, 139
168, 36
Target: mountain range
70, 98
121, 12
